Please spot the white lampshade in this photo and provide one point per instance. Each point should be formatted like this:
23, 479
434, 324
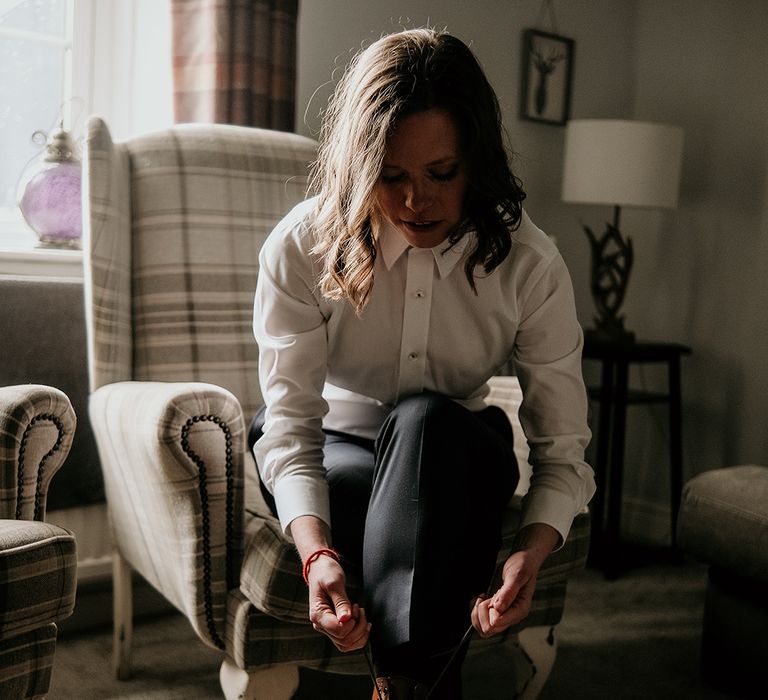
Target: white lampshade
622, 163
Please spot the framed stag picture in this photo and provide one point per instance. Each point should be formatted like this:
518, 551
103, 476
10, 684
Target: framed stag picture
547, 69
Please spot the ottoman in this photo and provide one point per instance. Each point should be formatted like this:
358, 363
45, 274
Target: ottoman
724, 522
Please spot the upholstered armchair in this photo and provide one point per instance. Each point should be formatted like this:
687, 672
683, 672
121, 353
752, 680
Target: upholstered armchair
38, 560
173, 223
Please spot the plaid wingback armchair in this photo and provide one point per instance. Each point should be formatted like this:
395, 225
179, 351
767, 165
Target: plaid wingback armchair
173, 225
38, 560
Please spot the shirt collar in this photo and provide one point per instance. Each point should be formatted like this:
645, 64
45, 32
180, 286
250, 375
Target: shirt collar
392, 245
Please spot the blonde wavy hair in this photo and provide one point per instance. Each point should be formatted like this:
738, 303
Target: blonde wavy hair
400, 74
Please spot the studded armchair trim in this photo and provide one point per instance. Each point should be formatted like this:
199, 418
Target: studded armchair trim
41, 466
206, 518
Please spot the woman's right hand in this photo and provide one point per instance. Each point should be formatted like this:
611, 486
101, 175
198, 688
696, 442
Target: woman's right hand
331, 611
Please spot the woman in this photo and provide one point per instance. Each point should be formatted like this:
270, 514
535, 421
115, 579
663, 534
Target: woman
384, 304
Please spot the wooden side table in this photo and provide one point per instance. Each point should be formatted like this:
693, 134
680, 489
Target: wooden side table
613, 395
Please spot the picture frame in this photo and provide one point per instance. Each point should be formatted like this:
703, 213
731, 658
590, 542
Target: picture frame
547, 74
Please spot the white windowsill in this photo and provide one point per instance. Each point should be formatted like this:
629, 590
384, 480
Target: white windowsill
21, 255
42, 262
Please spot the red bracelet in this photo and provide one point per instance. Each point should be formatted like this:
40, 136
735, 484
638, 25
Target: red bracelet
312, 558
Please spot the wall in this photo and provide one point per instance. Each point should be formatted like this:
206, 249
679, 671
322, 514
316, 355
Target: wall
700, 274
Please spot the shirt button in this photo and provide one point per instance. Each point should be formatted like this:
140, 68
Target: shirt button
412, 355
419, 293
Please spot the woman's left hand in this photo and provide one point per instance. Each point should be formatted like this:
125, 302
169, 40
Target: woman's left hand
511, 603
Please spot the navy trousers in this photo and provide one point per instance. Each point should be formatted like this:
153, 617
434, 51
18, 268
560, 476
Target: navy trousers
420, 508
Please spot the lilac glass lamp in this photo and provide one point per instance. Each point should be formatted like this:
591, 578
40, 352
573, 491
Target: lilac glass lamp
51, 201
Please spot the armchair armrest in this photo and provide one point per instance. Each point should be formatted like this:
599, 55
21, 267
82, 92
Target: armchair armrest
37, 424
172, 456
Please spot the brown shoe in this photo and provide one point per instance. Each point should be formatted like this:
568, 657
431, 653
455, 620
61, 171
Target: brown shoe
399, 688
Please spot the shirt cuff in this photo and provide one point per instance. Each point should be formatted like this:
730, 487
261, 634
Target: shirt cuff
297, 495
550, 507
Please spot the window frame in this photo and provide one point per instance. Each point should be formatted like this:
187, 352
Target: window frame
103, 79
15, 233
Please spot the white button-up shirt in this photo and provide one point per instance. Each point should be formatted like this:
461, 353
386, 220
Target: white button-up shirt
323, 366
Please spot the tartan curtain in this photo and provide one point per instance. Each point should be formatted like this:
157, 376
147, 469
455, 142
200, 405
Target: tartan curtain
234, 62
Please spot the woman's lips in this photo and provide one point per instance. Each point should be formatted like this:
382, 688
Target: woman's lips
421, 225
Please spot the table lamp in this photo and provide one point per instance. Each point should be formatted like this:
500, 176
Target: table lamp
50, 201
623, 164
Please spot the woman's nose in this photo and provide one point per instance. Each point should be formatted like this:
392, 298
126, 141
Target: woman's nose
417, 197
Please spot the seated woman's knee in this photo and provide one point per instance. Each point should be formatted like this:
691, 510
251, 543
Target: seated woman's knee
431, 408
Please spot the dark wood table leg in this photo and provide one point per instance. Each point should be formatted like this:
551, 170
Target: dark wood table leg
675, 442
611, 562
603, 441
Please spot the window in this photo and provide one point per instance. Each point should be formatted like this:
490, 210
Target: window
67, 59
35, 80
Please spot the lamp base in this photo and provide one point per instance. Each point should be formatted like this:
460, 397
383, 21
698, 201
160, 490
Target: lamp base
59, 242
612, 258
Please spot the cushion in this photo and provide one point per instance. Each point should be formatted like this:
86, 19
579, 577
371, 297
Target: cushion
506, 393
38, 566
724, 520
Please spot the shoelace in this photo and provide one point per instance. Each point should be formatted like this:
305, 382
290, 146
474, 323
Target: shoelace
440, 675
371, 670
457, 648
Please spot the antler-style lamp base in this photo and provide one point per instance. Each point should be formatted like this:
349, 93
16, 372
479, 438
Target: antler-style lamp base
612, 258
